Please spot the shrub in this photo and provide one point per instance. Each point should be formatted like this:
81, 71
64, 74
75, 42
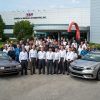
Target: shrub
94, 45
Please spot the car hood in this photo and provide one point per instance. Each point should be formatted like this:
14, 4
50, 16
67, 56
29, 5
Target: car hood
5, 63
84, 63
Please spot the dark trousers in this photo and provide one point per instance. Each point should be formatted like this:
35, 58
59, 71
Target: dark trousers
41, 65
56, 64
33, 66
62, 66
49, 66
37, 63
24, 65
68, 64
17, 58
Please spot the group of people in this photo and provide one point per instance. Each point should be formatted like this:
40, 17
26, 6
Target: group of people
48, 56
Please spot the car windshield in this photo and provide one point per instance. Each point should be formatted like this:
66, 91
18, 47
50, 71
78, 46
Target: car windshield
3, 55
92, 57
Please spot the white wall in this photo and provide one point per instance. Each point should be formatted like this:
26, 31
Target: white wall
95, 21
54, 16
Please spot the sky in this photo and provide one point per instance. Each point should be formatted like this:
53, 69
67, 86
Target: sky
12, 5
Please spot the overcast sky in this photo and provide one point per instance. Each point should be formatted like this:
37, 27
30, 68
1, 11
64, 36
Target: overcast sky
41, 4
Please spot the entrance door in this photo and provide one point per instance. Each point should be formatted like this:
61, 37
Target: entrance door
53, 35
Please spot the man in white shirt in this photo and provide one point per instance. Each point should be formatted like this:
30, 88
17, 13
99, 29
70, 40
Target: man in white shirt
84, 46
64, 42
33, 59
23, 58
68, 46
62, 62
42, 57
49, 60
70, 57
74, 44
75, 55
56, 60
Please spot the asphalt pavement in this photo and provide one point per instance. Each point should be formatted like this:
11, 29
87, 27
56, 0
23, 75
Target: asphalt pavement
48, 87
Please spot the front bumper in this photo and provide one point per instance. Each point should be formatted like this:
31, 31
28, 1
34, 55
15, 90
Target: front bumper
87, 74
9, 71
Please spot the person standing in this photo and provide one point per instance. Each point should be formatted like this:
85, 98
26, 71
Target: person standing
5, 49
75, 55
33, 59
79, 51
42, 57
17, 52
56, 60
23, 58
70, 57
27, 47
49, 60
68, 46
74, 44
11, 53
62, 62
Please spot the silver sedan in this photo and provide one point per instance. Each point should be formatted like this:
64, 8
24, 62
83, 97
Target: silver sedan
88, 67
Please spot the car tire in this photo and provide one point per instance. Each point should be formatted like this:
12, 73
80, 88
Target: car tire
98, 75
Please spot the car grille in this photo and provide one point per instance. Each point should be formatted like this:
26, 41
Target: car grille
76, 74
78, 69
9, 68
13, 67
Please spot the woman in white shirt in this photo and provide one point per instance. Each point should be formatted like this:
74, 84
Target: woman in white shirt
79, 51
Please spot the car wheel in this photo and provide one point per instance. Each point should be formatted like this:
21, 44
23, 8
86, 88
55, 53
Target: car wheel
98, 75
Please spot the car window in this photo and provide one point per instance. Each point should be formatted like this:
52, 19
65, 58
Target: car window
4, 56
92, 57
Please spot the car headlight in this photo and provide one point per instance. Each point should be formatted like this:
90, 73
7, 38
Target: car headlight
18, 66
91, 68
2, 68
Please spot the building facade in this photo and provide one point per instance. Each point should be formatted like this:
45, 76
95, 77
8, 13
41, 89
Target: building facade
49, 21
95, 21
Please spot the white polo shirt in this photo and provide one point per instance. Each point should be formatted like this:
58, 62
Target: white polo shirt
50, 55
23, 56
62, 53
41, 55
71, 56
56, 56
32, 54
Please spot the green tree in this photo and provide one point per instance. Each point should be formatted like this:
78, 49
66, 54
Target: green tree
23, 29
2, 26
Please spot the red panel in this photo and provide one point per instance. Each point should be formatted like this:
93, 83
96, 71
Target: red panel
77, 29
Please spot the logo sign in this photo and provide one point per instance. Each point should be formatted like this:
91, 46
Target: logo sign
29, 14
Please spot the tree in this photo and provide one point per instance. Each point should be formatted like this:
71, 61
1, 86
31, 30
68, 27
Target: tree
23, 29
2, 26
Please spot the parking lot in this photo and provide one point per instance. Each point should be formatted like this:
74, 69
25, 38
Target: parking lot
44, 87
